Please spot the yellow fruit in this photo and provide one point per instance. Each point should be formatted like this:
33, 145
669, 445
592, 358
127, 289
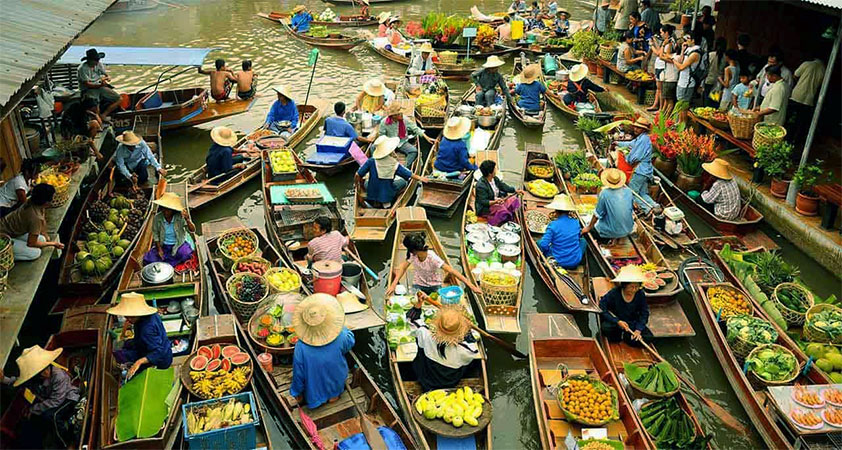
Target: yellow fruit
471, 421
430, 413
457, 421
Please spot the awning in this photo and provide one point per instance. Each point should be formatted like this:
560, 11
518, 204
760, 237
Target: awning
139, 56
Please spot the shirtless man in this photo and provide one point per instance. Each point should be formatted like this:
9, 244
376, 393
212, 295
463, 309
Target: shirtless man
246, 81
220, 80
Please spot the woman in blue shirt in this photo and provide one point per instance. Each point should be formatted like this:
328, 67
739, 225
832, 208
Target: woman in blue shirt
283, 110
453, 150
301, 19
625, 314
319, 368
563, 239
382, 187
221, 164
530, 89
171, 242
150, 345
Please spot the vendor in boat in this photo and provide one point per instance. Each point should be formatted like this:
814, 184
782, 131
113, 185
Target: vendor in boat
625, 314
328, 244
393, 34
27, 225
427, 268
722, 195
453, 149
446, 347
283, 116
397, 125
95, 83
504, 30
365, 11
221, 80
55, 400
488, 79
383, 20
422, 61
171, 241
613, 217
132, 157
562, 240
387, 177
494, 199
579, 86
374, 97
13, 192
150, 346
301, 18
319, 367
221, 163
561, 24
640, 156
530, 89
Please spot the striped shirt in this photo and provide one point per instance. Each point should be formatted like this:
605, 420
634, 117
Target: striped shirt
725, 196
427, 272
327, 246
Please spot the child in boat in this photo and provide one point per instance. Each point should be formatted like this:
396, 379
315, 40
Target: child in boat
221, 80
171, 241
246, 81
427, 267
625, 314
530, 89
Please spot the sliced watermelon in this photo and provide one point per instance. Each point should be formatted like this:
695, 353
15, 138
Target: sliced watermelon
649, 275
217, 351
666, 275
205, 351
214, 365
240, 358
230, 350
226, 364
198, 363
650, 285
660, 282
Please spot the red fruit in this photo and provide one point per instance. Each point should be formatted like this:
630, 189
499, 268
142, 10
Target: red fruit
240, 358
216, 350
214, 365
198, 363
263, 332
205, 351
226, 364
230, 350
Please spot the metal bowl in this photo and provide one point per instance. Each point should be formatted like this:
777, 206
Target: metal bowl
511, 226
471, 227
508, 252
483, 250
465, 110
478, 237
487, 121
507, 237
157, 273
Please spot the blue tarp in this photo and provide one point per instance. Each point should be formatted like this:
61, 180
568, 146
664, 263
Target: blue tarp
140, 56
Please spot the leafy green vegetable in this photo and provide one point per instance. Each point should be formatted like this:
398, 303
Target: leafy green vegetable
141, 404
772, 363
829, 321
572, 163
670, 426
659, 378
751, 329
771, 270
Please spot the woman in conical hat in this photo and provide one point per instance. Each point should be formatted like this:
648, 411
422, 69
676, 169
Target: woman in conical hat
531, 90
171, 228
625, 314
563, 239
150, 345
453, 150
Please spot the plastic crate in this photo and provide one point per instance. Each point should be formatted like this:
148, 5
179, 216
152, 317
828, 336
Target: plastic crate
333, 144
236, 437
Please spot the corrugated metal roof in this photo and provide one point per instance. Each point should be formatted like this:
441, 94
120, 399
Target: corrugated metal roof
139, 56
829, 3
34, 32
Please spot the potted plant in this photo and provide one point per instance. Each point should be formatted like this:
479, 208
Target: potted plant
683, 7
806, 178
692, 150
586, 47
774, 160
571, 164
587, 183
664, 131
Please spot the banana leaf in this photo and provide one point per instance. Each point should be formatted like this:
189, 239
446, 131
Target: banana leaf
142, 404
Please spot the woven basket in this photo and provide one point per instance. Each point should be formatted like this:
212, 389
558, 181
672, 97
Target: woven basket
244, 310
648, 393
760, 383
7, 253
62, 193
758, 140
231, 234
649, 98
613, 78
431, 111
499, 299
793, 317
600, 385
813, 334
742, 347
447, 57
742, 127
606, 52
248, 259
275, 289
541, 163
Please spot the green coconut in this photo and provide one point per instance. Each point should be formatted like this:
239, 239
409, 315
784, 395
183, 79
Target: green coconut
117, 251
88, 267
82, 255
125, 243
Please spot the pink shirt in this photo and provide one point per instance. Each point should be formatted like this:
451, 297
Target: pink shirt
427, 272
381, 30
327, 246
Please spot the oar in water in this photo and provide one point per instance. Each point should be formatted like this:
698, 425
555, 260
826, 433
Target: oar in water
359, 261
372, 436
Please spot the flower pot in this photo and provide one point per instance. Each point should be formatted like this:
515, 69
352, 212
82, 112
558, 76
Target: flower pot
779, 187
600, 71
807, 205
688, 183
592, 65
686, 19
757, 175
665, 166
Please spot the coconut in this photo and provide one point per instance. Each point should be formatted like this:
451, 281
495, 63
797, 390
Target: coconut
81, 256
88, 267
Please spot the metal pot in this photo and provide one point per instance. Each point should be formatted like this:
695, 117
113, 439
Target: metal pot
464, 110
483, 250
507, 237
157, 273
478, 237
511, 226
366, 120
471, 227
508, 252
487, 121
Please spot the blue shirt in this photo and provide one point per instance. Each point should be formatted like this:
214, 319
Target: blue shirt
219, 160
169, 233
339, 127
127, 160
381, 190
561, 241
614, 209
301, 22
279, 112
636, 313
561, 26
530, 95
150, 340
738, 91
453, 156
641, 154
319, 372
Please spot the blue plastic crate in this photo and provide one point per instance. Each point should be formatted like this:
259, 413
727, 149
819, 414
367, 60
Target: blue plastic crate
333, 144
236, 437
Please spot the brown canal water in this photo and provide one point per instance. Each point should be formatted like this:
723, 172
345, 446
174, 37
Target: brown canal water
230, 26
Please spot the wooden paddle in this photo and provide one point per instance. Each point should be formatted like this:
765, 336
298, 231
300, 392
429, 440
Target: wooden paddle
372, 436
506, 346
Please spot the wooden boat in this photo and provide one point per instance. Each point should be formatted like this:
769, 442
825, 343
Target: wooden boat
334, 421
370, 1
476, 53
200, 192
188, 285
125, 6
336, 41
448, 71
343, 21
571, 289
554, 95
372, 224
527, 120
768, 422
76, 289
414, 220
345, 164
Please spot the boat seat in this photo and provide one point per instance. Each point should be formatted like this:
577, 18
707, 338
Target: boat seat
151, 101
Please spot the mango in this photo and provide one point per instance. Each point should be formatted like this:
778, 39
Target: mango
430, 413
835, 359
825, 365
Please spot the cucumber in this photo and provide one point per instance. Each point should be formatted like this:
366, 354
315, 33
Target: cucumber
767, 305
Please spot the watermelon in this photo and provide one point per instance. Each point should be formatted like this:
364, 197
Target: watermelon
649, 275
666, 275
650, 285
205, 351
240, 358
660, 282
214, 365
226, 364
217, 351
198, 363
230, 350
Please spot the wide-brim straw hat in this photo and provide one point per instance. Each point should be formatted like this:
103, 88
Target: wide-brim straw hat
394, 19
450, 325
283, 90
393, 109
132, 304
718, 168
530, 73
456, 127
642, 122
563, 11
129, 138
613, 178
223, 136
365, 2
385, 146
426, 48
170, 200
493, 61
33, 360
384, 16
350, 303
374, 87
298, 8
561, 202
578, 72
629, 274
318, 319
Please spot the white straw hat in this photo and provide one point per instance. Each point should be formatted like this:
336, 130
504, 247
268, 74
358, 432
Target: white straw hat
129, 138
630, 274
374, 87
456, 127
578, 72
493, 61
223, 136
385, 146
318, 319
561, 202
33, 360
132, 304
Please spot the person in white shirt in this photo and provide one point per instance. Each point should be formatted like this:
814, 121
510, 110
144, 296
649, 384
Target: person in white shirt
13, 192
810, 75
776, 58
690, 57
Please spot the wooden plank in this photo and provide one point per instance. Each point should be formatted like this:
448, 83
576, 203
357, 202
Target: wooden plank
543, 325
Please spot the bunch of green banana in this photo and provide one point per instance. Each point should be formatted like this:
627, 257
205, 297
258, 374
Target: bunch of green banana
221, 415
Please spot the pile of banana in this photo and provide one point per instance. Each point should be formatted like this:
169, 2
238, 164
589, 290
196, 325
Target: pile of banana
215, 384
457, 408
222, 415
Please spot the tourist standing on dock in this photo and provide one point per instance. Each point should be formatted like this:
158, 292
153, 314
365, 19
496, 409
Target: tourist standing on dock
95, 83
613, 217
640, 156
776, 59
27, 225
625, 314
621, 21
221, 80
773, 108
729, 79
13, 192
150, 346
132, 157
427, 268
301, 18
686, 62
723, 194
562, 240
601, 17
669, 75
221, 160
488, 79
171, 241
650, 16
319, 367
386, 175
283, 115
494, 201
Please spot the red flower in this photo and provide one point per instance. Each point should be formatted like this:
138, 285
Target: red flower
670, 123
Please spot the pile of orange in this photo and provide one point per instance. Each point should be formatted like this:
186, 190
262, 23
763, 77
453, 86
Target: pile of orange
583, 400
240, 247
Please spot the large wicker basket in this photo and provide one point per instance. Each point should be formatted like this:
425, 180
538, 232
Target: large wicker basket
791, 316
62, 194
277, 289
499, 299
742, 127
447, 57
227, 259
813, 334
599, 385
244, 310
606, 52
758, 140
7, 253
742, 347
760, 383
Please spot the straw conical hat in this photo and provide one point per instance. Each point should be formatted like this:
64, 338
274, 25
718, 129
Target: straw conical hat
385, 146
561, 202
318, 319
613, 178
223, 136
384, 16
456, 127
450, 325
493, 61
170, 200
132, 304
578, 72
33, 360
129, 138
283, 90
629, 274
298, 8
350, 303
718, 168
530, 73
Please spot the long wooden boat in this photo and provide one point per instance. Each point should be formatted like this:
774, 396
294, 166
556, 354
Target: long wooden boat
476, 53
448, 71
372, 224
75, 288
200, 193
529, 121
428, 122
339, 42
767, 421
370, 1
188, 285
334, 421
345, 164
342, 21
414, 220
555, 95
571, 289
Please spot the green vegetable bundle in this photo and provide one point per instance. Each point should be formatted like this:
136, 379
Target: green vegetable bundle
658, 380
745, 271
773, 364
793, 297
670, 426
587, 181
750, 329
